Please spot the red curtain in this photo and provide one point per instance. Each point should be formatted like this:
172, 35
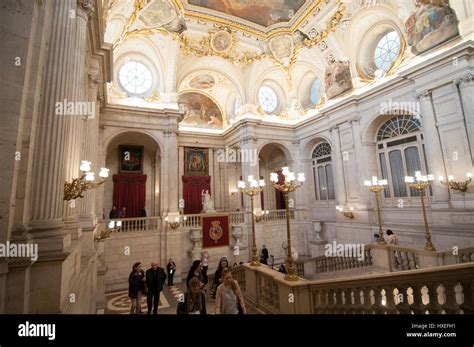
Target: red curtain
129, 192
192, 190
279, 198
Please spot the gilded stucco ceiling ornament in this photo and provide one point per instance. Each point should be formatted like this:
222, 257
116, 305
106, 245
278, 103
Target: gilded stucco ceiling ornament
331, 27
222, 41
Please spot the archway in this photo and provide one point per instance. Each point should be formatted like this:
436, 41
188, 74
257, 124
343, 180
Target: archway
133, 158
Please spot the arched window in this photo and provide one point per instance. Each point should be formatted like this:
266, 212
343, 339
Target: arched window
401, 152
268, 99
135, 78
322, 172
315, 92
387, 51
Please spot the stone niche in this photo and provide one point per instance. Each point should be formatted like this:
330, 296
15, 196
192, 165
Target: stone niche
432, 23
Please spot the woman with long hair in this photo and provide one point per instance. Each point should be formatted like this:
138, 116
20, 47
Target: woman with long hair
197, 271
229, 298
223, 263
136, 285
194, 300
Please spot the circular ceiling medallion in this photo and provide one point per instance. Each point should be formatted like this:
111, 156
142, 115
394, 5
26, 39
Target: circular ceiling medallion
221, 41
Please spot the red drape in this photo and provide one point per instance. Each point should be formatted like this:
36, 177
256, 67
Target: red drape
129, 192
192, 190
279, 198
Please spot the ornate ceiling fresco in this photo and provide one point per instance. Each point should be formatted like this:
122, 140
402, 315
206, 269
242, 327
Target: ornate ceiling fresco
274, 26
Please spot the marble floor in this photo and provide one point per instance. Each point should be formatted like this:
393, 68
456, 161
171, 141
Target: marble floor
119, 302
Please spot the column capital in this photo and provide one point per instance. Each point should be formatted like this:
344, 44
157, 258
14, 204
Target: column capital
424, 94
465, 79
85, 7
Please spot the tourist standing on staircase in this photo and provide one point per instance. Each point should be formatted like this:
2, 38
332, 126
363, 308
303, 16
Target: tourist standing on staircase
194, 301
223, 263
136, 284
171, 268
155, 278
229, 298
196, 270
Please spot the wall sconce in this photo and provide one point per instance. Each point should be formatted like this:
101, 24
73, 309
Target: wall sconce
75, 189
176, 223
345, 212
233, 191
456, 185
261, 217
113, 226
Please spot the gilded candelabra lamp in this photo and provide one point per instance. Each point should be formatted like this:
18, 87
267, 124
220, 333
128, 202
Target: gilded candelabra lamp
462, 186
288, 186
420, 183
376, 186
255, 188
76, 188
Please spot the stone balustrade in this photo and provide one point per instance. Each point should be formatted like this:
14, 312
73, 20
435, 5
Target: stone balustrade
136, 224
437, 290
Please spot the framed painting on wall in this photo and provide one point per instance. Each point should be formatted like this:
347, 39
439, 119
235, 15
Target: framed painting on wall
130, 159
196, 161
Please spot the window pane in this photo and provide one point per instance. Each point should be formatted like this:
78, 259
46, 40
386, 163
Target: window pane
412, 159
398, 178
315, 92
383, 168
322, 183
387, 51
330, 182
267, 98
315, 184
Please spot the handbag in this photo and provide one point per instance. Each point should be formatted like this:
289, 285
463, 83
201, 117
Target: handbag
144, 289
239, 307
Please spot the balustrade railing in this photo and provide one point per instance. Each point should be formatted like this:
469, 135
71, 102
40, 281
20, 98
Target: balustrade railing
238, 273
135, 224
446, 289
268, 295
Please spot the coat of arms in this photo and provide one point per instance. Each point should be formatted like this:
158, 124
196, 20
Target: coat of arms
215, 231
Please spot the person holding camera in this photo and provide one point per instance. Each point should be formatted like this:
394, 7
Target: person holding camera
171, 269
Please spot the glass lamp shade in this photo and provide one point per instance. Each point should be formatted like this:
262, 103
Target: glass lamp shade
85, 166
274, 177
261, 183
241, 184
104, 172
89, 176
301, 177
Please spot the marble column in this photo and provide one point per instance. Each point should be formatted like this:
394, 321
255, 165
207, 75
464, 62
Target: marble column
465, 86
434, 152
49, 171
249, 145
77, 94
172, 171
90, 145
338, 172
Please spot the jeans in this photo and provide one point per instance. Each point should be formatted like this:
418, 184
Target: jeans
136, 304
153, 299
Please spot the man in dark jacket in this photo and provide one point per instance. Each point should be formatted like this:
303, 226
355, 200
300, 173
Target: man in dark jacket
155, 278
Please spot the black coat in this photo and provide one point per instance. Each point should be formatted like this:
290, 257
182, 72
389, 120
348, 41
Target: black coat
113, 214
135, 284
264, 253
171, 266
202, 278
155, 280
